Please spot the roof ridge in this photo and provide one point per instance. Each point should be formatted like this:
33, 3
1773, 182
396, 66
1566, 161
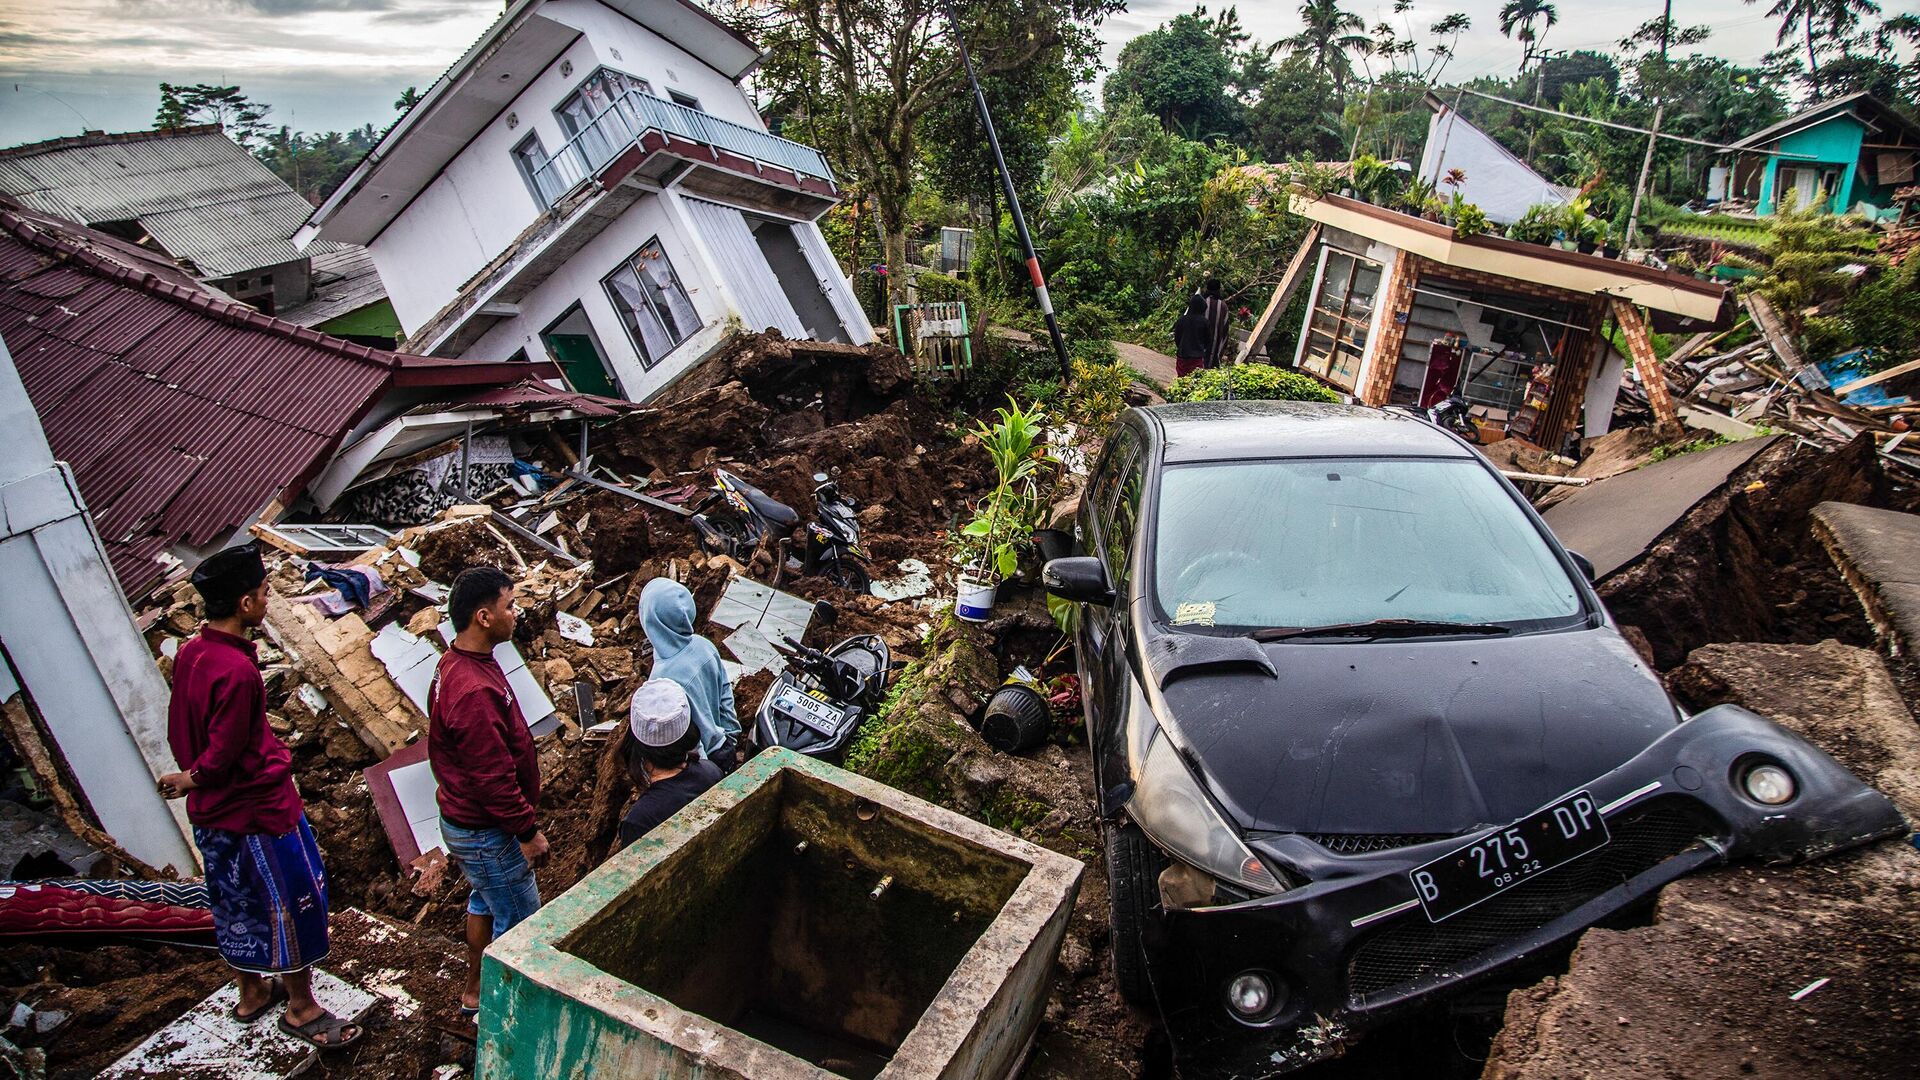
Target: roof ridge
103, 138
232, 311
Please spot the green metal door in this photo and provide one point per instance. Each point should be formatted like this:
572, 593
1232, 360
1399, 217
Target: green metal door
581, 362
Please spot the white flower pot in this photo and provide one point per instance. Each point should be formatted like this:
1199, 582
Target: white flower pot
975, 602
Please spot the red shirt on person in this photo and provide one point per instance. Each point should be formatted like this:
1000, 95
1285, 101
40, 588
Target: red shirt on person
479, 747
217, 728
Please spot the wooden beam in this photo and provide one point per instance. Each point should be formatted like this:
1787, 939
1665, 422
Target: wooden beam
1653, 377
1289, 283
1877, 378
1774, 329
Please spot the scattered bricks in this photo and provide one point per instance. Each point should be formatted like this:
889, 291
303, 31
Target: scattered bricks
609, 664
423, 621
559, 670
342, 635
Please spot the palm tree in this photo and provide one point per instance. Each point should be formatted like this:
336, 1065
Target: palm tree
1524, 13
1819, 18
1328, 38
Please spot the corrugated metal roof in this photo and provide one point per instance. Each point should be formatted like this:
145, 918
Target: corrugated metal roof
344, 281
198, 193
182, 414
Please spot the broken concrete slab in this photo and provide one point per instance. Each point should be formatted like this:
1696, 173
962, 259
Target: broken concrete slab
1726, 982
794, 921
1614, 520
208, 1042
1878, 552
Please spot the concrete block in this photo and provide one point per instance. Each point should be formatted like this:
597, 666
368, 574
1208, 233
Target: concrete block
797, 920
208, 1042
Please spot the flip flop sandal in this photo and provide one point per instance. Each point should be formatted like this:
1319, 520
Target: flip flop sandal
276, 993
325, 1024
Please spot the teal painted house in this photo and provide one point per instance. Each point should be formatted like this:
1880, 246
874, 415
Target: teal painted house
1838, 154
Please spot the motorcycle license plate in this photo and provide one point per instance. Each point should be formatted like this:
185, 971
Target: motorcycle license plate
1499, 860
808, 709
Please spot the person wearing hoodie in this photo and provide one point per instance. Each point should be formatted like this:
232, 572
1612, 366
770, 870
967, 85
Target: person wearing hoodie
1192, 337
667, 614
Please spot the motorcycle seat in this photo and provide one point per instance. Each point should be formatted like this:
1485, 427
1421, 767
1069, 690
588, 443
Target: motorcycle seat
767, 506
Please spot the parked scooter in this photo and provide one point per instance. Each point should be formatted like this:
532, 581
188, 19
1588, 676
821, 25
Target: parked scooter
833, 538
1453, 414
817, 704
738, 516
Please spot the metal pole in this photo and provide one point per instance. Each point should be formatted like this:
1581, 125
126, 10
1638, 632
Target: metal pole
1013, 204
1646, 169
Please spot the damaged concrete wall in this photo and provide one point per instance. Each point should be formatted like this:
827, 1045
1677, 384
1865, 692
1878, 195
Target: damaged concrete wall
69, 638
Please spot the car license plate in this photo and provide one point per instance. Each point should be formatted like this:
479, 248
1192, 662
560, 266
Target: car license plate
809, 710
1499, 860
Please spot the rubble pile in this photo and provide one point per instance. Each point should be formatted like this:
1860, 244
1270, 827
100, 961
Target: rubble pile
1766, 382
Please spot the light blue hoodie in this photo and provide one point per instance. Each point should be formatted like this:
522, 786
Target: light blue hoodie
666, 613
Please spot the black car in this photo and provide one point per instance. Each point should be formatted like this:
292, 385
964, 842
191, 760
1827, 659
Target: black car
1364, 733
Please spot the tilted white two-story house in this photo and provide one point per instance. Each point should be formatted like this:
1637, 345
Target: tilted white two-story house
590, 182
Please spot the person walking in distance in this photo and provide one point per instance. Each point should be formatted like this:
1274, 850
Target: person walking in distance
1191, 338
265, 880
483, 756
1217, 333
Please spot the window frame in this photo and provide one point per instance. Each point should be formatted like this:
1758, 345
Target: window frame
526, 174
684, 100
559, 109
1338, 368
630, 262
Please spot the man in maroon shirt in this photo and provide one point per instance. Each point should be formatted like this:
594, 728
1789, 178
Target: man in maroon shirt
483, 757
264, 878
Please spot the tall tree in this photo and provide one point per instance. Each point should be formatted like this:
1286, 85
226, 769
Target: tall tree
1517, 19
408, 99
1820, 21
203, 103
860, 76
1179, 72
1330, 39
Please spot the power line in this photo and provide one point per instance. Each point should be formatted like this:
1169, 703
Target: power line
1623, 127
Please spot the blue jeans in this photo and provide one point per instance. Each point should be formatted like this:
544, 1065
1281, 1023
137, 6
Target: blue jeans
503, 884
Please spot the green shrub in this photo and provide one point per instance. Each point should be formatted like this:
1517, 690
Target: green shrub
1098, 393
1251, 382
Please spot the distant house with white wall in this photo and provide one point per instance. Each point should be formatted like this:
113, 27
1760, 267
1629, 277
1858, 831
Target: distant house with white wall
590, 182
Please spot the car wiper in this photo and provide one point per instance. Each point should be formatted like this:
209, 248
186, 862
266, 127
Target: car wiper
1379, 628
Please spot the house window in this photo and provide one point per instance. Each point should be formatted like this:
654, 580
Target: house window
1338, 318
688, 100
598, 117
651, 302
542, 180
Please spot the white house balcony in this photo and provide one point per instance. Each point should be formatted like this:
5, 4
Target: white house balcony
638, 143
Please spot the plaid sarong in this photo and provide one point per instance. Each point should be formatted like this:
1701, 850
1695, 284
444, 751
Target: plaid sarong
269, 898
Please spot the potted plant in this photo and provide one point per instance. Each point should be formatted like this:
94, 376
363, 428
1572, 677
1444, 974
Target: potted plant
988, 547
1539, 225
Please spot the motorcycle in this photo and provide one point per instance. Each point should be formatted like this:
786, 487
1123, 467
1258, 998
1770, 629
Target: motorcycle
1452, 414
817, 703
737, 517
833, 538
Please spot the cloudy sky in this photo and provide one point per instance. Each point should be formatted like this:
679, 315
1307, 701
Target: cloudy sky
336, 64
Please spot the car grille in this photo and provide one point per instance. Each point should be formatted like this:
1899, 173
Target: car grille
1642, 838
1362, 843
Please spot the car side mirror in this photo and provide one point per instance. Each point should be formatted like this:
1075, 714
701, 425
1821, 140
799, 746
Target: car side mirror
1585, 564
1080, 578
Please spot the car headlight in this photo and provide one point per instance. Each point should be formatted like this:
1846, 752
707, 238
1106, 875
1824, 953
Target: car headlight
1768, 784
1169, 806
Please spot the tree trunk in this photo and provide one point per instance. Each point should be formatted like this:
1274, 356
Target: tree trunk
1813, 58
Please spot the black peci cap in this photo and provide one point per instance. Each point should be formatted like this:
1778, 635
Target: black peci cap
230, 573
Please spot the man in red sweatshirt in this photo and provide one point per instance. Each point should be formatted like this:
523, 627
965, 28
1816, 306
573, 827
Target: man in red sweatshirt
483, 757
264, 878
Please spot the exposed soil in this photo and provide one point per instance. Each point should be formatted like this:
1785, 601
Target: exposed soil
1708, 989
1744, 566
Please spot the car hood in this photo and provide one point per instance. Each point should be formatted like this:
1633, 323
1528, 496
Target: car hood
1414, 736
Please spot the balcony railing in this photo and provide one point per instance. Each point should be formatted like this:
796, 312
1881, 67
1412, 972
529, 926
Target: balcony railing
634, 113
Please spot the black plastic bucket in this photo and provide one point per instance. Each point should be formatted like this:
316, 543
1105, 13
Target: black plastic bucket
1017, 719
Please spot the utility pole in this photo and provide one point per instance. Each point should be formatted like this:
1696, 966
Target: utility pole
1653, 137
1013, 204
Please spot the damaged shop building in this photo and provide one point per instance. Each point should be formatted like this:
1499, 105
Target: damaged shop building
590, 182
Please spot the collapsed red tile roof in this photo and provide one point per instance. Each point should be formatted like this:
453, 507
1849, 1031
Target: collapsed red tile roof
182, 414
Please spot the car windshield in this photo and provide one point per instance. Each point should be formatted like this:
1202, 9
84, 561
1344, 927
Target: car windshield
1301, 543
